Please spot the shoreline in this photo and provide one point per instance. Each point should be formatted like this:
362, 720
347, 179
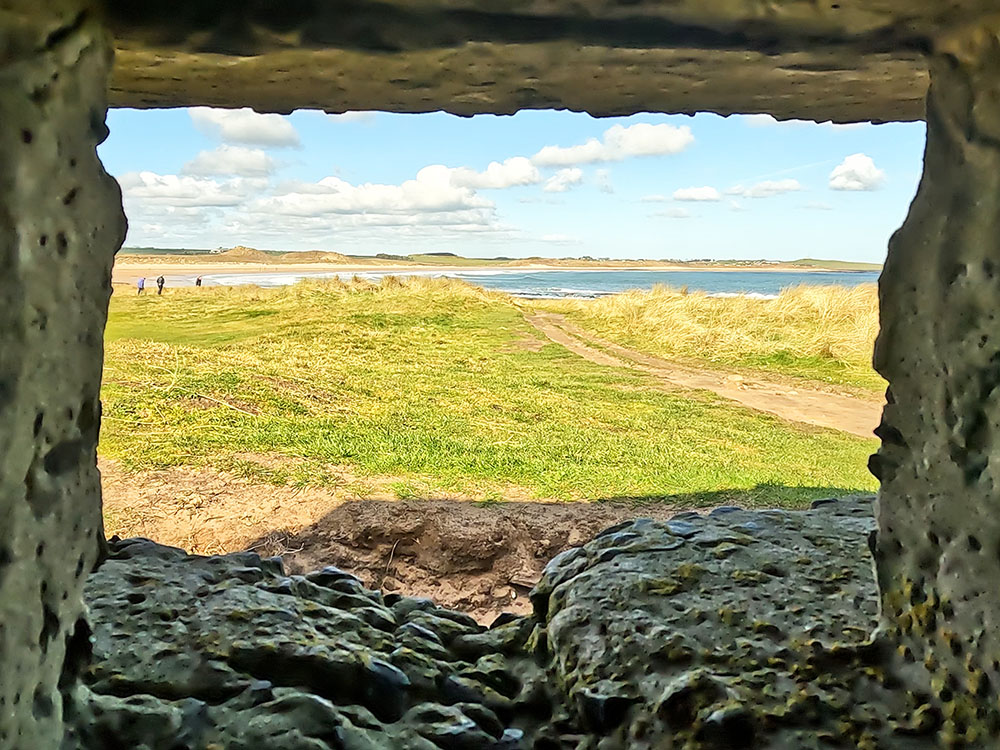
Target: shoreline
125, 271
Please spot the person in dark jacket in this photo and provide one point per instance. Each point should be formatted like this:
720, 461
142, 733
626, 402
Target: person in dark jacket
160, 281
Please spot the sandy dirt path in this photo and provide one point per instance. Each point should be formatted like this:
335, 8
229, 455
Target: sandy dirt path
836, 411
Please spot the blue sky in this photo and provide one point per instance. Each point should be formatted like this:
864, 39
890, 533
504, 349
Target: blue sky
562, 184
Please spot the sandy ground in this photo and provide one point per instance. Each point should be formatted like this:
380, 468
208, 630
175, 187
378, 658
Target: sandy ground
797, 403
127, 270
481, 558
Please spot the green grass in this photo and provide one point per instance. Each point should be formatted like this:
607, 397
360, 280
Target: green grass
453, 260
423, 383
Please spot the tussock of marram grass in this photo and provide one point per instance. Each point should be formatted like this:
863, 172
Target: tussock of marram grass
424, 286
822, 332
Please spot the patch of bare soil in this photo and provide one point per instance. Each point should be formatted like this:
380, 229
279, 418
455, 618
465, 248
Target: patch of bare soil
204, 511
823, 408
479, 558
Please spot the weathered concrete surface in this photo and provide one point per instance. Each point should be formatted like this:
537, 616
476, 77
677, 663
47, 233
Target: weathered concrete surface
60, 224
939, 519
195, 652
737, 630
821, 59
482, 77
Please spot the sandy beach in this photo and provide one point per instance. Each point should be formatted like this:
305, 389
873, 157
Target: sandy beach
128, 269
129, 272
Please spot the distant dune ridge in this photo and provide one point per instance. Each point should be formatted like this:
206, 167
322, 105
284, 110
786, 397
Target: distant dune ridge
317, 256
237, 254
244, 254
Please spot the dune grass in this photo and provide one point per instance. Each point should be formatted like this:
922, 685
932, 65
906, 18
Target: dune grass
823, 333
452, 260
440, 386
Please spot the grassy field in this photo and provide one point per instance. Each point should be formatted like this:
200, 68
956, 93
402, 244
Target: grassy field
823, 333
439, 386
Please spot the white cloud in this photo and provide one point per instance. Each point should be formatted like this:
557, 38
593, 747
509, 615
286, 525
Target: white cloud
547, 200
498, 175
561, 239
619, 142
857, 172
674, 212
363, 117
563, 180
428, 208
231, 160
245, 126
150, 229
379, 232
697, 194
818, 206
736, 206
432, 191
655, 198
149, 188
766, 189
760, 120
603, 179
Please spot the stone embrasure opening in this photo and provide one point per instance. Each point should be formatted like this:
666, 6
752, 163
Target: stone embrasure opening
938, 553
60, 224
651, 635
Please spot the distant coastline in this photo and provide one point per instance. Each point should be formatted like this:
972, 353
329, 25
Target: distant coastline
133, 263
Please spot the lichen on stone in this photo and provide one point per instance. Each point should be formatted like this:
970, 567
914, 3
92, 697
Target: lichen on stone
641, 638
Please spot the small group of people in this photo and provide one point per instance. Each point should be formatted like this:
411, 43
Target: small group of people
141, 284
160, 282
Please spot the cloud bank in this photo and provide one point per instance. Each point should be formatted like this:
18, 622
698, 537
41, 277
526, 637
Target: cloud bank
618, 143
244, 126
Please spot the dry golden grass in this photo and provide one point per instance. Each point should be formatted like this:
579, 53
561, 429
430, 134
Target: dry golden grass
817, 332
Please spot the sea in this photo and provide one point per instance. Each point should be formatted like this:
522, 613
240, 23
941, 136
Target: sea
587, 284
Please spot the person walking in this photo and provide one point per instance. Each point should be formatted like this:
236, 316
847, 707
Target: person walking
197, 282
160, 281
141, 284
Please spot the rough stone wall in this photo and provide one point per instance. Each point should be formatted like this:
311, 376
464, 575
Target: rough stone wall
939, 348
938, 550
503, 78
730, 631
846, 60
60, 225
